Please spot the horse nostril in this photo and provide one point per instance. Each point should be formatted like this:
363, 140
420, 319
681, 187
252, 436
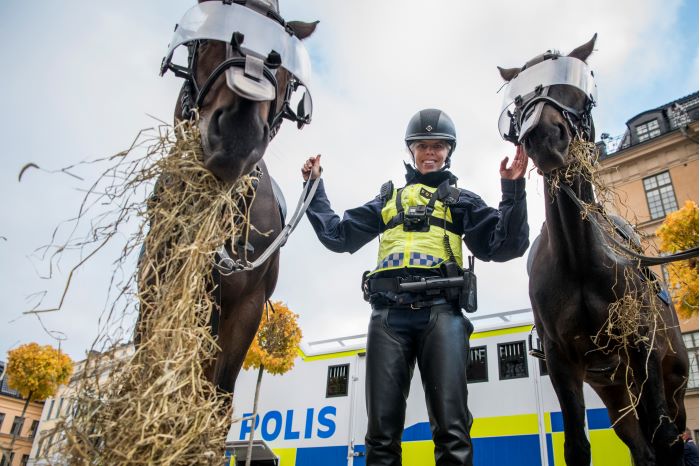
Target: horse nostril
563, 131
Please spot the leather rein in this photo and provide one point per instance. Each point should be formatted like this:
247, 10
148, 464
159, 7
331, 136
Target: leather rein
643, 261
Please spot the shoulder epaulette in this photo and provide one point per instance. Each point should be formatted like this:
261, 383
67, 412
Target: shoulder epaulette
448, 194
386, 191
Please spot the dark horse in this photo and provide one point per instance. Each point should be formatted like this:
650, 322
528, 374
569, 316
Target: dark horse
241, 100
575, 277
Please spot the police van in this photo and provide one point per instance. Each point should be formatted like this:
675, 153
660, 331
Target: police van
314, 415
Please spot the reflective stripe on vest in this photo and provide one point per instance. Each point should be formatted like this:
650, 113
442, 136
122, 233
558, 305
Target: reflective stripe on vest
423, 250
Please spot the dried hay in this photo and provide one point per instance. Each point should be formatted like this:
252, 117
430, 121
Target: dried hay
155, 406
635, 318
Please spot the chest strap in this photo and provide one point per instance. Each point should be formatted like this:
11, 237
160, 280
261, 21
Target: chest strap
445, 193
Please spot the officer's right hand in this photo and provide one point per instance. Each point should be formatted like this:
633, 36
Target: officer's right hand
312, 168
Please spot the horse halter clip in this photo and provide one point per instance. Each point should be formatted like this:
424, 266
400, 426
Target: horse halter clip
527, 94
256, 47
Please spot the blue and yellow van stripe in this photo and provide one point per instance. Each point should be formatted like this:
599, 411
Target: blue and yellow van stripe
497, 440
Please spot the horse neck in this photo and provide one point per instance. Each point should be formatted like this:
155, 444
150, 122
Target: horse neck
569, 234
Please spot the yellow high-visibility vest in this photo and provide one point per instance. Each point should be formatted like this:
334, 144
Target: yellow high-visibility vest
422, 250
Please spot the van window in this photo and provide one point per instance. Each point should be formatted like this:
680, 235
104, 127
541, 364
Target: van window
337, 383
477, 370
512, 362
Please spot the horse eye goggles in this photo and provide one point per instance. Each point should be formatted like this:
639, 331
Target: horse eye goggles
256, 46
526, 94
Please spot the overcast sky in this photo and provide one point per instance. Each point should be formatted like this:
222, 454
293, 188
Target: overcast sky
80, 79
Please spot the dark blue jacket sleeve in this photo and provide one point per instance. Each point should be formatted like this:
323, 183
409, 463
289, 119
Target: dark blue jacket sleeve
358, 226
496, 234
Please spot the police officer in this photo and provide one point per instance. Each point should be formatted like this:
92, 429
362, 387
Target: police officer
422, 226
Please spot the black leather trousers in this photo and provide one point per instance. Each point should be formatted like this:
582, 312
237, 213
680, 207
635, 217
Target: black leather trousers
438, 339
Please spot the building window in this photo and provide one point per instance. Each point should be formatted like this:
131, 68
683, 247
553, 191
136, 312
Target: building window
660, 196
48, 414
35, 427
477, 370
691, 344
17, 426
60, 405
648, 130
25, 460
3, 459
512, 363
680, 113
2, 419
40, 446
48, 444
337, 383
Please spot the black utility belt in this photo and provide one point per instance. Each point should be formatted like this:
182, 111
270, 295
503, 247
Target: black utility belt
458, 286
409, 302
412, 284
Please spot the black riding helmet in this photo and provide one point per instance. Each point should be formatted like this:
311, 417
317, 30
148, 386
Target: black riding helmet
432, 123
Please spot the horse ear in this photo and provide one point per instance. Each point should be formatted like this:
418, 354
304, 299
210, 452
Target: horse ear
301, 29
508, 73
584, 51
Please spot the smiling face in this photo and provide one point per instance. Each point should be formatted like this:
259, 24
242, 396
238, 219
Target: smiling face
429, 155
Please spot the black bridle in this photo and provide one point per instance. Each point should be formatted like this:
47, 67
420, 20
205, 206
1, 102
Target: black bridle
192, 94
580, 121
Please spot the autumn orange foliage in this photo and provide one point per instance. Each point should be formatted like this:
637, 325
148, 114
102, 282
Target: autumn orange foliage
275, 344
678, 233
36, 371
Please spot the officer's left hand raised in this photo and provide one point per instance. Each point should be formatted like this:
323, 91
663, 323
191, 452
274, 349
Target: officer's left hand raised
517, 168
311, 168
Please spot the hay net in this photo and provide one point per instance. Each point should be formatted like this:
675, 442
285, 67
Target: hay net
156, 405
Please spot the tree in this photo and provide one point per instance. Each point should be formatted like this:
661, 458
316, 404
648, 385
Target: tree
678, 233
274, 349
36, 373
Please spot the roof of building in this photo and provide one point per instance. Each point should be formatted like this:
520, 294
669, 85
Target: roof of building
689, 99
4, 387
669, 117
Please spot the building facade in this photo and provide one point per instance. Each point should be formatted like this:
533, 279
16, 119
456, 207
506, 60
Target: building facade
653, 169
13, 423
46, 448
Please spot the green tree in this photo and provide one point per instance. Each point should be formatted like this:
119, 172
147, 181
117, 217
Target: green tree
678, 233
274, 349
35, 372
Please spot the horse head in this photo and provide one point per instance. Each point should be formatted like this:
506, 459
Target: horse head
244, 65
548, 103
